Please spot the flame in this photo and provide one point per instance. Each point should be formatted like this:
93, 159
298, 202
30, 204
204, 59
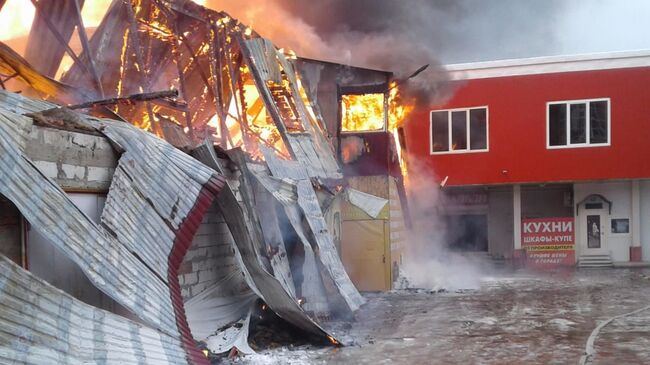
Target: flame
93, 12
157, 30
66, 63
398, 107
16, 18
398, 111
366, 113
362, 113
125, 46
333, 340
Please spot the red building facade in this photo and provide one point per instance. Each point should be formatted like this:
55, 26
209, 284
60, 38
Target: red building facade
545, 138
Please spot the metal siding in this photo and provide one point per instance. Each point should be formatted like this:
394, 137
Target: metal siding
157, 188
43, 325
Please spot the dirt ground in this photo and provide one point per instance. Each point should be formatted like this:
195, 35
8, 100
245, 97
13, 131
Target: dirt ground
514, 318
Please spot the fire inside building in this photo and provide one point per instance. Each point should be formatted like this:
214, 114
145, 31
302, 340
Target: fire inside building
170, 173
543, 159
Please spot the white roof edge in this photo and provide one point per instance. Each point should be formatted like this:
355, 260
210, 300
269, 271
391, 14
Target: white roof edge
549, 64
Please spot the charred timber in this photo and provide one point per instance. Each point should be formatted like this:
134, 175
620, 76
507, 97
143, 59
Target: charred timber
131, 99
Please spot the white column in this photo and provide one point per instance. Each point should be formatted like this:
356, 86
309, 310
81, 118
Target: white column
636, 214
516, 215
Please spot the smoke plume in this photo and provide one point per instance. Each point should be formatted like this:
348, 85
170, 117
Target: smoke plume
428, 261
401, 36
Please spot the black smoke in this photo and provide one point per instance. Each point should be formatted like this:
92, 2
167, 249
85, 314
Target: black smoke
402, 35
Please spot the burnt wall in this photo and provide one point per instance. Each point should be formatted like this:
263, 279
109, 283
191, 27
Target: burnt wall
210, 257
325, 81
76, 161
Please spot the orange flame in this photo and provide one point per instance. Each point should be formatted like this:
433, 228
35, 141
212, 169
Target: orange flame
362, 113
16, 18
398, 112
17, 15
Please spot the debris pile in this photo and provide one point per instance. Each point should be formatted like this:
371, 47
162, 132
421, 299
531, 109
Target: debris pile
237, 135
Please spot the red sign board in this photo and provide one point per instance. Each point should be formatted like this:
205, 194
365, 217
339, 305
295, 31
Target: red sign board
549, 242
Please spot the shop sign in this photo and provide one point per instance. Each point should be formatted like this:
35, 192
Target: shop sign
548, 242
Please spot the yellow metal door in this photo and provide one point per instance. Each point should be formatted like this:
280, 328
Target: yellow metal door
365, 256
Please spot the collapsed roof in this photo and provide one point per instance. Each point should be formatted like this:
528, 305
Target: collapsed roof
252, 143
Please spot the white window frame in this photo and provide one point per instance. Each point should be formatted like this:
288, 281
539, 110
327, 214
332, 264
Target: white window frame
467, 118
588, 124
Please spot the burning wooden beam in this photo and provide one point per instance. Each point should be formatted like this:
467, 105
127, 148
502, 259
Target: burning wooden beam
131, 99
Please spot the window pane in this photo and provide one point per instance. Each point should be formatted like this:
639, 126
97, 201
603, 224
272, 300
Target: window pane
440, 131
598, 121
578, 123
557, 124
459, 130
478, 129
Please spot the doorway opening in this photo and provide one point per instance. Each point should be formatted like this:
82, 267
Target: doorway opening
467, 232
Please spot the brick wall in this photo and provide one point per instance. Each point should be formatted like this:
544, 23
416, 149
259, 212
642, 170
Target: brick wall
210, 256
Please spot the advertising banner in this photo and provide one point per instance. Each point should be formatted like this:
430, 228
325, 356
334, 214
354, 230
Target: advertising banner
549, 242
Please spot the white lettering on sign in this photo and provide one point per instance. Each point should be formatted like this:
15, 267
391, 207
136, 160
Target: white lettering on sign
554, 239
548, 227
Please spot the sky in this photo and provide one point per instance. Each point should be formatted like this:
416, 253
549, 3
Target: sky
604, 25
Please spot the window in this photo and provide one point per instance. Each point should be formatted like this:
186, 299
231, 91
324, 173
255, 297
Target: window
578, 123
363, 113
459, 130
621, 225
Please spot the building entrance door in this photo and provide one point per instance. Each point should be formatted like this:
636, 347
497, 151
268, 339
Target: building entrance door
593, 231
593, 224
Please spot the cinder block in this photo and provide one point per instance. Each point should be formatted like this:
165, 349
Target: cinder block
186, 267
202, 265
207, 276
195, 252
191, 278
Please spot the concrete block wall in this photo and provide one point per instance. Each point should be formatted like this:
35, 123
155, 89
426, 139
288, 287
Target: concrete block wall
210, 257
76, 161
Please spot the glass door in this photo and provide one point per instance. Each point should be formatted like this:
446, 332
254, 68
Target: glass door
593, 231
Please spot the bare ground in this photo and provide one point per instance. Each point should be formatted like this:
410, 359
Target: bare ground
514, 318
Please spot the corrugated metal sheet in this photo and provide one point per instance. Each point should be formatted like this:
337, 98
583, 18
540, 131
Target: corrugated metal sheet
155, 204
106, 262
308, 147
40, 324
264, 53
242, 223
310, 208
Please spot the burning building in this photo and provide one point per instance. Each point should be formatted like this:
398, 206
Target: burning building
202, 177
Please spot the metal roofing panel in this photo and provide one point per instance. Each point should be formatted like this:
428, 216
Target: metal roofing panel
43, 325
156, 189
264, 54
240, 221
310, 208
106, 262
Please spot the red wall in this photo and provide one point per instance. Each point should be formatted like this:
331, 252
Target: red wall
517, 130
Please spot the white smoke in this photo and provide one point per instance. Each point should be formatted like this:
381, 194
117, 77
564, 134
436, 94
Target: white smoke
428, 262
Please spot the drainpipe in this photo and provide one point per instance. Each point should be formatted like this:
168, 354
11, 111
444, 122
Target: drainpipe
518, 254
635, 249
